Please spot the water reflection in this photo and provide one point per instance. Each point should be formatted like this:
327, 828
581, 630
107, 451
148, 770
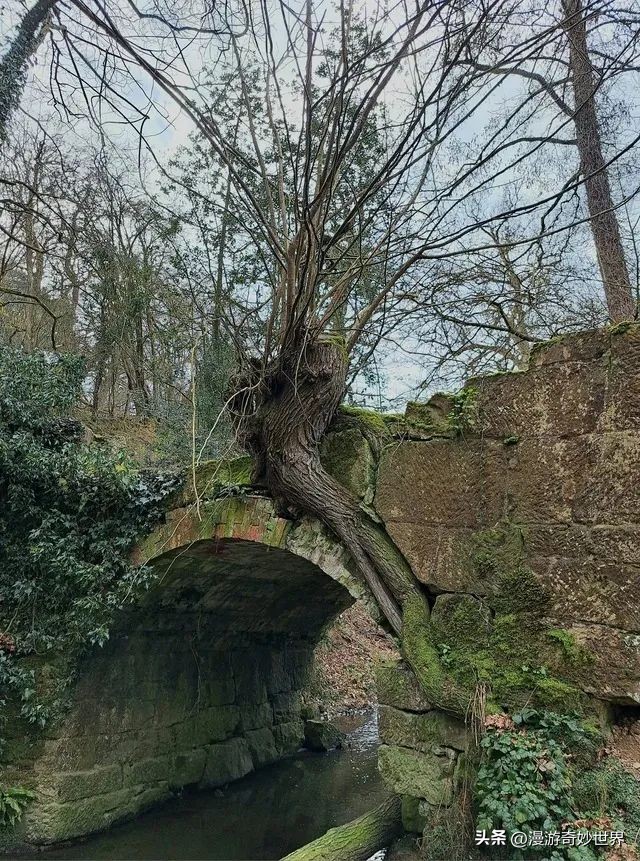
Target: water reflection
263, 816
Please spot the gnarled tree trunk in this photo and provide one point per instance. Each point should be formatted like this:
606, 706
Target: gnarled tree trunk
281, 414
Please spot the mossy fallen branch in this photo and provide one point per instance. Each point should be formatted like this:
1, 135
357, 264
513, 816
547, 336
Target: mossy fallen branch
356, 840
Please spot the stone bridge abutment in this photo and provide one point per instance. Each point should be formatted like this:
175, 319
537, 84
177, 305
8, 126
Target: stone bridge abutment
199, 683
516, 504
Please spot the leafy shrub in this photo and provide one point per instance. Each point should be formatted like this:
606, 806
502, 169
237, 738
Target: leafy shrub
69, 514
12, 803
524, 782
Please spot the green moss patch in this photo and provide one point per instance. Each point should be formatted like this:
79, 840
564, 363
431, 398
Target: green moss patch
347, 456
216, 476
459, 645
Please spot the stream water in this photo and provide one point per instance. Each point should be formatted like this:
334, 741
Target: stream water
263, 816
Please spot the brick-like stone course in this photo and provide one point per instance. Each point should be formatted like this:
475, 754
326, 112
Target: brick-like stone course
198, 687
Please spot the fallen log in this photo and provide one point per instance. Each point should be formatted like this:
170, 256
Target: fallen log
356, 840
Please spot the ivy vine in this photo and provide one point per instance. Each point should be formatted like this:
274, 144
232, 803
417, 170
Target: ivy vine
70, 511
525, 779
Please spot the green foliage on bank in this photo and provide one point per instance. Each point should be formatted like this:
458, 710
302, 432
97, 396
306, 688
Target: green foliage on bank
69, 514
538, 773
12, 804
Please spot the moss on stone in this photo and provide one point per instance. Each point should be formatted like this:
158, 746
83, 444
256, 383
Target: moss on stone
425, 732
457, 646
398, 686
498, 551
422, 654
572, 651
413, 820
497, 556
347, 456
622, 328
431, 418
368, 419
464, 417
214, 476
519, 590
542, 346
461, 620
411, 772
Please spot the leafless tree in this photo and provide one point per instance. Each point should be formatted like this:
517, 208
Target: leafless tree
453, 132
569, 73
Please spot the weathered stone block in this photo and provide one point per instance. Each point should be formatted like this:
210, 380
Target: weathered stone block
216, 678
147, 771
422, 775
613, 671
289, 737
256, 716
582, 589
212, 724
605, 543
188, 768
262, 746
607, 489
557, 399
423, 732
55, 822
397, 686
286, 707
144, 799
297, 660
579, 347
321, 735
588, 479
536, 480
84, 784
622, 405
279, 679
429, 483
227, 761
249, 677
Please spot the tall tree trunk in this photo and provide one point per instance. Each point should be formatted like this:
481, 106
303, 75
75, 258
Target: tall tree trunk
604, 221
13, 66
281, 415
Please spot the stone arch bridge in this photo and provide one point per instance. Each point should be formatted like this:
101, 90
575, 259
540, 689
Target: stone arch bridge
515, 503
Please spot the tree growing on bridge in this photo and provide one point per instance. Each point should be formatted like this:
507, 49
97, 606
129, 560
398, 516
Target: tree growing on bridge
345, 254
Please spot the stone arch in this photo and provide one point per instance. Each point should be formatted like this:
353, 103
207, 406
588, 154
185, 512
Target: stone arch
200, 682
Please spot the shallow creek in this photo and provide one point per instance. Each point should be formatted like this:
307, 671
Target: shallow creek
263, 816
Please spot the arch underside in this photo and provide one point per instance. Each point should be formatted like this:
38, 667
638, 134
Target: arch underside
197, 686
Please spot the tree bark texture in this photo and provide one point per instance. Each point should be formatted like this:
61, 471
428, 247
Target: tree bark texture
13, 66
358, 839
281, 415
604, 221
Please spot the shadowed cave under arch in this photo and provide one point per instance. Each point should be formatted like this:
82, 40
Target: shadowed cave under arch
198, 685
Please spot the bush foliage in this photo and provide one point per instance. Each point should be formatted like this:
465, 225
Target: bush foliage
69, 513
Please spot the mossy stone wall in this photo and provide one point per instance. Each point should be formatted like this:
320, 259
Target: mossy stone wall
516, 504
523, 527
198, 685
